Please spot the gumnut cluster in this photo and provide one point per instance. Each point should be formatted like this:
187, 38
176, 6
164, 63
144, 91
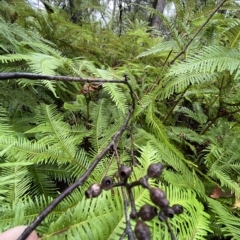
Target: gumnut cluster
161, 209
107, 183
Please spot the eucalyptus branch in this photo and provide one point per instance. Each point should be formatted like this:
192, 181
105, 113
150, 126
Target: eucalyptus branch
78, 183
198, 31
33, 76
83, 178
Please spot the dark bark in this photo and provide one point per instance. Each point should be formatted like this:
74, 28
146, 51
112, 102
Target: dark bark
156, 21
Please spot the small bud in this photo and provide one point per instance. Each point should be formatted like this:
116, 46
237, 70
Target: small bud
178, 209
158, 197
155, 170
147, 212
93, 191
169, 212
107, 183
142, 231
125, 172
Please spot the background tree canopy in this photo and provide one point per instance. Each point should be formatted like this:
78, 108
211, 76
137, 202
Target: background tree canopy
182, 61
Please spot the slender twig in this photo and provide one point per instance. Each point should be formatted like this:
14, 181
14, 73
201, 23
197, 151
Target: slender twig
134, 163
33, 76
215, 119
132, 202
168, 56
78, 183
131, 91
170, 230
175, 104
141, 182
198, 31
128, 228
109, 164
123, 234
157, 81
116, 154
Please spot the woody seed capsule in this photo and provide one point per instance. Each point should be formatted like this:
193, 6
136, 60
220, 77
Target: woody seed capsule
93, 191
142, 231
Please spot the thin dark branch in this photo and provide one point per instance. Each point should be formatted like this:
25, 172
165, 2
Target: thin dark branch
134, 162
131, 92
198, 31
175, 104
132, 202
78, 183
128, 228
123, 234
82, 179
215, 119
170, 230
32, 76
141, 182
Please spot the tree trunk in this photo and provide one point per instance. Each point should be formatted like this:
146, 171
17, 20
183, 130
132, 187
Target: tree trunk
156, 21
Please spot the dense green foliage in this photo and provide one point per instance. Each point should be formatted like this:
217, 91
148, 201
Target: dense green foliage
187, 116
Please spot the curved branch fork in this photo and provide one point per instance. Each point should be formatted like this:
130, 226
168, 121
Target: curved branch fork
83, 178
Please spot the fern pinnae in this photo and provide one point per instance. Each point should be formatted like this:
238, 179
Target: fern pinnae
117, 96
211, 59
157, 127
230, 223
100, 121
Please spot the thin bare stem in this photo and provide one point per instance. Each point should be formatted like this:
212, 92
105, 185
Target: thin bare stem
78, 183
132, 147
198, 31
175, 104
32, 76
170, 230
84, 177
132, 202
128, 228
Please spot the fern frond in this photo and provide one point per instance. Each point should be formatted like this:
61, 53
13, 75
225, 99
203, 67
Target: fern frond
117, 95
197, 115
158, 129
232, 32
229, 223
211, 59
92, 220
161, 47
180, 82
13, 58
224, 179
100, 122
43, 63
18, 182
